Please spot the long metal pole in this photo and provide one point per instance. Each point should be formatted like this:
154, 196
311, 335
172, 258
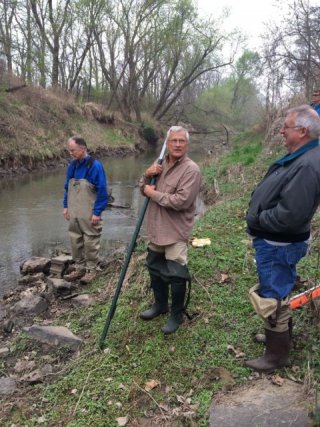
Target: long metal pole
128, 257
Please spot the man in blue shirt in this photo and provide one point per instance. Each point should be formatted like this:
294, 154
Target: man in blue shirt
315, 102
85, 198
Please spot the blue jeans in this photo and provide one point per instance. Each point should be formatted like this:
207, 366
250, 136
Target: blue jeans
276, 267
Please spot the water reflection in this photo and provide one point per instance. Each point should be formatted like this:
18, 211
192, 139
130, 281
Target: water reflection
31, 220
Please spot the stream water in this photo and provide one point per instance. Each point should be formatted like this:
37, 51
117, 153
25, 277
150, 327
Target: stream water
31, 220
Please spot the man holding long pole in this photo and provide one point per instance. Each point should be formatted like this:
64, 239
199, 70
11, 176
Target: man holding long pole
170, 218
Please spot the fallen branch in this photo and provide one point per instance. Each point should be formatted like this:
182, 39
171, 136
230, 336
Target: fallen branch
203, 287
13, 89
83, 388
112, 205
153, 399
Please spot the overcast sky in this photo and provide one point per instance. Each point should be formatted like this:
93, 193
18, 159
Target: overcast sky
247, 15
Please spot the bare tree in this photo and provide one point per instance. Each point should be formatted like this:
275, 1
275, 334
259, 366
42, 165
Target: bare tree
7, 11
151, 51
46, 16
80, 37
295, 47
140, 54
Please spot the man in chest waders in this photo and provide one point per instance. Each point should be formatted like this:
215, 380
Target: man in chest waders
85, 198
170, 217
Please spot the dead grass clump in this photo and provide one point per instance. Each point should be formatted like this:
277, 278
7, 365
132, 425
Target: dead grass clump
210, 194
258, 129
96, 112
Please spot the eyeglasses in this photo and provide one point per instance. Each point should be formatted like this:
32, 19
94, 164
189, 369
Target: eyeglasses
75, 150
176, 141
285, 126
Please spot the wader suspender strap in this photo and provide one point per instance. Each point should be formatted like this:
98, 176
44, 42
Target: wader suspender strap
88, 167
189, 316
273, 321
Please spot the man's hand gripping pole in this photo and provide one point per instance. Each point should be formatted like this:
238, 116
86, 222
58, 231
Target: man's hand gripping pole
128, 256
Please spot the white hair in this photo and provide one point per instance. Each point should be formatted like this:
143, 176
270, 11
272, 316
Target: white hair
178, 129
307, 117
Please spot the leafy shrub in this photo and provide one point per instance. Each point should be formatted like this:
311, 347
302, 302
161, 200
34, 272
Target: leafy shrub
149, 134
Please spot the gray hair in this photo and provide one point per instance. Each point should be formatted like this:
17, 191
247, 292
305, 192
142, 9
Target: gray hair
178, 129
308, 118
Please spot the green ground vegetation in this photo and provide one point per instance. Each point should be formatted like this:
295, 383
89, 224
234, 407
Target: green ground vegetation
144, 378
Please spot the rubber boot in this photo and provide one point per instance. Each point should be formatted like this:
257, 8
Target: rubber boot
89, 277
261, 338
276, 353
160, 305
178, 293
78, 272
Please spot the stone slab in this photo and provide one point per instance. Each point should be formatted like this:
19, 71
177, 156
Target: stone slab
264, 404
54, 335
7, 386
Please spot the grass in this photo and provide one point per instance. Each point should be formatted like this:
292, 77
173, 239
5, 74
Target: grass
98, 387
115, 137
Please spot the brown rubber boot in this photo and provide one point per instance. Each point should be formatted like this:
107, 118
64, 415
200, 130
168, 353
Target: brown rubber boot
261, 338
75, 275
89, 277
276, 353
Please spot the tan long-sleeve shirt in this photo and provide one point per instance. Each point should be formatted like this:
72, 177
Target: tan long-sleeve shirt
171, 210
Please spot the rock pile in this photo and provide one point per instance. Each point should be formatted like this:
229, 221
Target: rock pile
42, 291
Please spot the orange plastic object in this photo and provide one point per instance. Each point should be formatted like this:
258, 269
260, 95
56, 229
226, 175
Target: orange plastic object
305, 297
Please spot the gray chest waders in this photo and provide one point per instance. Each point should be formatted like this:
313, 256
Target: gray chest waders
84, 236
81, 194
81, 198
